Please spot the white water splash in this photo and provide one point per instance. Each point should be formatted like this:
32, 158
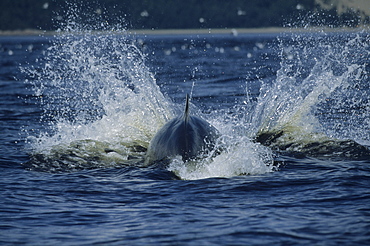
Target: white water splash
291, 104
101, 101
240, 156
96, 87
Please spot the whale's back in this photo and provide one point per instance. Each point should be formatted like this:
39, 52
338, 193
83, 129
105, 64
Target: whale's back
186, 135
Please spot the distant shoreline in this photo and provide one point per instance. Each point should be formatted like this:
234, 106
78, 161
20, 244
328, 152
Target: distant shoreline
215, 31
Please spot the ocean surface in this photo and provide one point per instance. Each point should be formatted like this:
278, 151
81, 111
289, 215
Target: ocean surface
79, 109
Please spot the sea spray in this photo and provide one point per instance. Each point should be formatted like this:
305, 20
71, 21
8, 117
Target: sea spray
240, 156
100, 100
318, 71
102, 104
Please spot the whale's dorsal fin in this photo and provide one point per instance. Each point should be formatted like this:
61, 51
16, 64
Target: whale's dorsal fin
187, 111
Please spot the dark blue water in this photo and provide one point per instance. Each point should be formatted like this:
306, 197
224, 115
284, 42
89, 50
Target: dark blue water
77, 113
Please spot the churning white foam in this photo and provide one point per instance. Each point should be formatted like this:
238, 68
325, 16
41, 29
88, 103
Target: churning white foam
240, 156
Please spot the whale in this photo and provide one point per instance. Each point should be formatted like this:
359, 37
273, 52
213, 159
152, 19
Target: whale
188, 136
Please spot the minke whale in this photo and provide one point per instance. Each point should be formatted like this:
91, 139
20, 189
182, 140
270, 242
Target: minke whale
187, 136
